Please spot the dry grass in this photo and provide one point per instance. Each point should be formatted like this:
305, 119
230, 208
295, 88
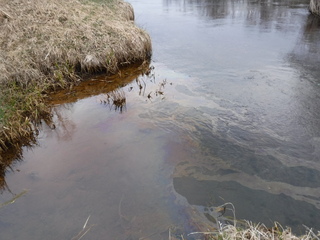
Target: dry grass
253, 231
315, 7
46, 45
233, 229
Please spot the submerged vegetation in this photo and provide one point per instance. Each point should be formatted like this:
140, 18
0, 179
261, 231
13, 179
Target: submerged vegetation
49, 45
115, 99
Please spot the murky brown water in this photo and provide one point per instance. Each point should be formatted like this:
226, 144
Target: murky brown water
230, 114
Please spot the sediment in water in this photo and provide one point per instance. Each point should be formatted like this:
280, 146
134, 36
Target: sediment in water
47, 45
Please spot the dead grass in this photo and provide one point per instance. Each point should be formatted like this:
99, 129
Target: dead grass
315, 7
253, 231
234, 229
47, 45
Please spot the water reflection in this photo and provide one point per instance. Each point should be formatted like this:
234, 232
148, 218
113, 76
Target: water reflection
94, 162
306, 53
101, 84
213, 9
111, 94
9, 158
266, 14
116, 99
244, 128
265, 135
306, 58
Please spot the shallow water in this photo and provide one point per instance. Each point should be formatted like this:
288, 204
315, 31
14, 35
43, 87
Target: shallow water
230, 113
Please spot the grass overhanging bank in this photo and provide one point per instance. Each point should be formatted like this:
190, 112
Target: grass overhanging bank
47, 45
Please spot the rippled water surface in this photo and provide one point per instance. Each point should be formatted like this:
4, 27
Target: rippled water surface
230, 113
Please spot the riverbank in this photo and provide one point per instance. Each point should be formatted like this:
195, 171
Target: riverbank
50, 45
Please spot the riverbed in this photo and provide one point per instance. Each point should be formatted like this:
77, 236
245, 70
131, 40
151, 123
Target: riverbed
228, 113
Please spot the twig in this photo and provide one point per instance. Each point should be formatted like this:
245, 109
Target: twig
6, 14
82, 233
233, 209
13, 199
84, 230
311, 232
85, 224
47, 55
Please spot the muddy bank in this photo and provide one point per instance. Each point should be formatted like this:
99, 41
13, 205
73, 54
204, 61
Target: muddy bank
51, 45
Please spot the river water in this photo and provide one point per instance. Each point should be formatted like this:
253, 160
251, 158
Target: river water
230, 113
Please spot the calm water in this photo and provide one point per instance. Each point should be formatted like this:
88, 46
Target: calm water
231, 113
